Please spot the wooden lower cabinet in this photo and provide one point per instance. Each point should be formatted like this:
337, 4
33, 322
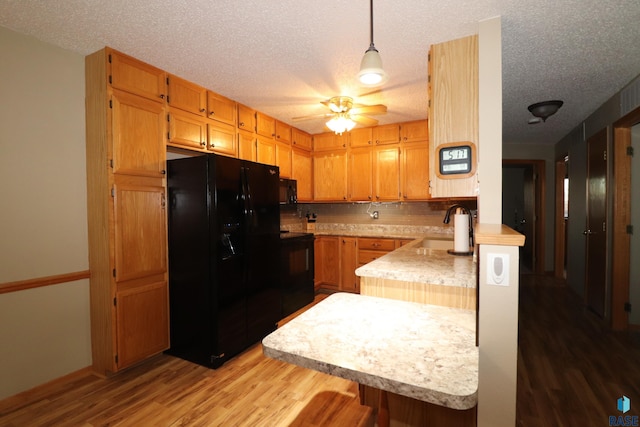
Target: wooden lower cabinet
348, 263
327, 262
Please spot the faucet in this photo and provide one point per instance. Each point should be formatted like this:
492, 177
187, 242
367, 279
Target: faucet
447, 217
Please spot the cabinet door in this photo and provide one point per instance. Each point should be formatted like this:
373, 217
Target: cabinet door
246, 118
386, 134
134, 76
327, 261
330, 141
414, 131
300, 139
140, 228
361, 174
283, 159
453, 111
330, 176
265, 125
142, 320
415, 171
138, 131
348, 260
221, 109
247, 146
186, 130
387, 173
266, 151
186, 96
361, 137
283, 132
302, 172
222, 139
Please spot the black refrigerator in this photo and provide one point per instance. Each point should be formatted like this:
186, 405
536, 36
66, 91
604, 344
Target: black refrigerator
224, 254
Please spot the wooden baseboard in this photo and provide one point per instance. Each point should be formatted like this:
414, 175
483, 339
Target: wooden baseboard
28, 396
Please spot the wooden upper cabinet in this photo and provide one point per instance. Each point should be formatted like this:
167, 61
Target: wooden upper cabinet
387, 173
415, 171
134, 76
360, 170
330, 141
187, 96
386, 134
283, 159
247, 148
361, 137
221, 109
138, 132
265, 125
246, 118
301, 139
453, 113
265, 150
283, 132
302, 172
186, 130
221, 138
330, 176
414, 131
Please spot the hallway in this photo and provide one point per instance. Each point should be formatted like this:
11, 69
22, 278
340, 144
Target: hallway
571, 368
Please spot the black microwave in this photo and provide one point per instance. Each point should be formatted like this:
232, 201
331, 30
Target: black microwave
288, 192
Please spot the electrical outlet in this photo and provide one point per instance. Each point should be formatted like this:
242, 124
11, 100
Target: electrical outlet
497, 269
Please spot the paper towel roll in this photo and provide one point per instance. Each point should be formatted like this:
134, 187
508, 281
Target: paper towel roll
461, 233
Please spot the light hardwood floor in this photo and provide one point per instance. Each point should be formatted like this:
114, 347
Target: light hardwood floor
571, 371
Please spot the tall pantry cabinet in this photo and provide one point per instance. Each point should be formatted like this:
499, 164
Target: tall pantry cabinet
126, 182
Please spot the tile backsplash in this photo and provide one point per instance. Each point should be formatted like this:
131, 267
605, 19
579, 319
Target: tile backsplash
429, 214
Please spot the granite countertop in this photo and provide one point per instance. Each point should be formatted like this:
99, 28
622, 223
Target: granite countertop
421, 351
415, 263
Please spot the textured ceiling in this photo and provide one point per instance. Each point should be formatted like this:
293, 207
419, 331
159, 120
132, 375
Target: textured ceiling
284, 57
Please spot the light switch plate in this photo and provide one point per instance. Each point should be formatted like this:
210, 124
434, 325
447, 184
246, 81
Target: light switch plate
498, 269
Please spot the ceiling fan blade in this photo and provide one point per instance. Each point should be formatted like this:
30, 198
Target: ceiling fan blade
313, 116
369, 109
364, 120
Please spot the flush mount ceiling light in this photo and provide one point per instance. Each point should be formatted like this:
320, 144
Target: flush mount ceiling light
341, 123
371, 73
542, 110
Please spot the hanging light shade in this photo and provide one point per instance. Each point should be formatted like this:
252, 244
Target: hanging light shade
341, 123
371, 71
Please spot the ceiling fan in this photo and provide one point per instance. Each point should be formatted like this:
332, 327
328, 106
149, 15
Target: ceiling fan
345, 114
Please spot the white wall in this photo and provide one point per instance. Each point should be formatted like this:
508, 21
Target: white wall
45, 332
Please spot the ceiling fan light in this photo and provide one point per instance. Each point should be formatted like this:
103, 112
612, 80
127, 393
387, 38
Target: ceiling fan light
545, 109
341, 123
371, 71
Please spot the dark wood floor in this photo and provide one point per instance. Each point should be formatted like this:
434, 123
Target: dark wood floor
571, 371
571, 368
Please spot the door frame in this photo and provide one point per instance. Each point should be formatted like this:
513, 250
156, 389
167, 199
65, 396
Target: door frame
560, 224
538, 167
621, 189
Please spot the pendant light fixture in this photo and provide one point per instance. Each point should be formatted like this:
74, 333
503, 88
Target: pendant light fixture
371, 73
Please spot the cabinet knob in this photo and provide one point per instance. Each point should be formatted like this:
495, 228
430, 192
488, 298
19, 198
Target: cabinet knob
212, 113
202, 110
163, 172
203, 143
212, 145
241, 124
162, 95
377, 141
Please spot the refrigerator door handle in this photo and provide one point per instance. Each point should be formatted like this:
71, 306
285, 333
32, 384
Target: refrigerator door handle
251, 216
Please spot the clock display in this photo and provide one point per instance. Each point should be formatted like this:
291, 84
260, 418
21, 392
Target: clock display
455, 160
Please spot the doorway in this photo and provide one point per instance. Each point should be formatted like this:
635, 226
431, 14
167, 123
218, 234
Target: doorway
523, 188
561, 216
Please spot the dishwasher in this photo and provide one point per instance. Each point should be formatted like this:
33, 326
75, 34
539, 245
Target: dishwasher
296, 271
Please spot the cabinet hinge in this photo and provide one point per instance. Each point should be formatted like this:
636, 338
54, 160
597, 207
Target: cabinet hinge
629, 229
113, 192
168, 136
627, 307
114, 272
111, 104
109, 58
167, 80
604, 226
115, 301
604, 155
111, 163
168, 117
110, 79
630, 151
116, 359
